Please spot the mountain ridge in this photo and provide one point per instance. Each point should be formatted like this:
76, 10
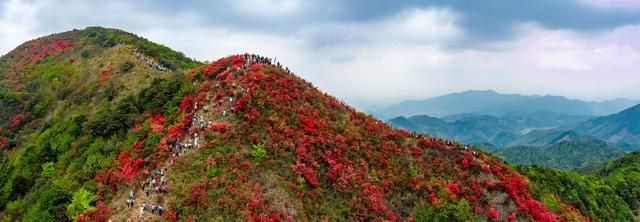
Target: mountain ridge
493, 103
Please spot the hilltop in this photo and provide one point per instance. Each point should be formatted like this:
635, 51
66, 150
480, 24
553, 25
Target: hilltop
95, 114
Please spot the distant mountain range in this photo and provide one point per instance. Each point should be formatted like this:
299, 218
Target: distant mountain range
514, 128
492, 103
622, 129
539, 137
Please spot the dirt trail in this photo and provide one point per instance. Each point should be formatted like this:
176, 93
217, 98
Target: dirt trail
121, 212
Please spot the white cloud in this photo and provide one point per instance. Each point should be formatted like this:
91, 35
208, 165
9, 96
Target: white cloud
267, 8
624, 4
16, 24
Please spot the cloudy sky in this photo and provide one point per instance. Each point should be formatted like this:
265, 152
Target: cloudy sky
373, 53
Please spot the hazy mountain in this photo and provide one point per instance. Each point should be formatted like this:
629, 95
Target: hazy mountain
471, 129
543, 137
496, 104
622, 129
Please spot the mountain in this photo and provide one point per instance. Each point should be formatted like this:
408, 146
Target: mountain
540, 119
546, 137
492, 103
622, 129
68, 104
590, 194
564, 154
471, 129
96, 116
515, 128
623, 174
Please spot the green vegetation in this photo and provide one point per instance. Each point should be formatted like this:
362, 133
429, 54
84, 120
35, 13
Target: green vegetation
593, 196
623, 175
66, 122
80, 202
444, 210
569, 155
164, 55
258, 152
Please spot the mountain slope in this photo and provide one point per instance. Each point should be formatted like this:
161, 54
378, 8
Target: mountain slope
265, 145
496, 104
623, 174
590, 194
569, 154
622, 128
66, 103
367, 169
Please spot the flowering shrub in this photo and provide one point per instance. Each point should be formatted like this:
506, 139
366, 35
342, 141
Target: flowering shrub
105, 75
129, 168
16, 120
187, 104
169, 216
157, 123
218, 127
3, 142
100, 213
492, 213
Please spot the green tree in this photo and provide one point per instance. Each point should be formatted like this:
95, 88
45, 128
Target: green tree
47, 170
80, 202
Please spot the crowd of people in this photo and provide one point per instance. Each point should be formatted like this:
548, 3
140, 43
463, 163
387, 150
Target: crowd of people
150, 62
156, 183
263, 60
155, 209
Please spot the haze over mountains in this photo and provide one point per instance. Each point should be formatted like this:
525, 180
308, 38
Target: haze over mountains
544, 130
490, 102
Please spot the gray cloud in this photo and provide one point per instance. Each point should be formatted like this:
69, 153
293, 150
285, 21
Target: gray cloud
379, 52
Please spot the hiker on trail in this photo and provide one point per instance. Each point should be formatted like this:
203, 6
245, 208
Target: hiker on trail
142, 208
466, 147
163, 189
131, 194
148, 190
224, 113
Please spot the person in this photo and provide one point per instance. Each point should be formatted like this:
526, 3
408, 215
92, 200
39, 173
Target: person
148, 190
131, 194
141, 210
